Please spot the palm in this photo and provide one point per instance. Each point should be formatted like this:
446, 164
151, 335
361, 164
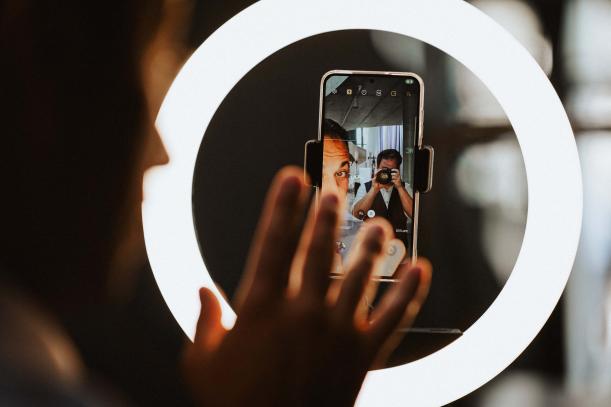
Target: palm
298, 341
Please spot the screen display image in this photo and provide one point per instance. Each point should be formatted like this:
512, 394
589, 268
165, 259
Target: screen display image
370, 133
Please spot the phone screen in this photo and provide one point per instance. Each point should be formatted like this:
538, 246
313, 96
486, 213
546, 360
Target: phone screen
370, 130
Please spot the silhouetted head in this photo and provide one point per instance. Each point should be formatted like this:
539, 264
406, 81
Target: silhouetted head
75, 130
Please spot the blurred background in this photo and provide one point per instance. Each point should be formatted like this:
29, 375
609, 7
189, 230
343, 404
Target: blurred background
472, 223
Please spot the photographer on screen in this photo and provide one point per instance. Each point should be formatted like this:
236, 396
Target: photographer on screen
386, 195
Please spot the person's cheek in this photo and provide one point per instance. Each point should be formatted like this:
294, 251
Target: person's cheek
343, 187
328, 186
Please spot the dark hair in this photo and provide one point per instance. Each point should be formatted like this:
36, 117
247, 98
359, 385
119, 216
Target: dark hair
335, 131
73, 113
389, 154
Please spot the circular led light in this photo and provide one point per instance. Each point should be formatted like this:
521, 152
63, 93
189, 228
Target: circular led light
538, 118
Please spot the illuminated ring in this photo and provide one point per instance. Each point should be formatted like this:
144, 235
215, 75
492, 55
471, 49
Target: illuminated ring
463, 32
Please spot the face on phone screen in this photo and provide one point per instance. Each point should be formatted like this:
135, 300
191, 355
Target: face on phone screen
370, 132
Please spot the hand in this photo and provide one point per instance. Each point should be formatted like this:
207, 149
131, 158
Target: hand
375, 185
396, 179
298, 341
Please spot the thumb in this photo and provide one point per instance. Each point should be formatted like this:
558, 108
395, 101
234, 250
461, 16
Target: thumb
209, 330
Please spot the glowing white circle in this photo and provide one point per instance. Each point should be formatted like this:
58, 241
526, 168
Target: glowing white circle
492, 54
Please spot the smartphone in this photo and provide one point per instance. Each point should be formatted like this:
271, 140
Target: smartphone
369, 152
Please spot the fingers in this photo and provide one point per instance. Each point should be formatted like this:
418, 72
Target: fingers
275, 241
209, 330
365, 306
396, 176
316, 252
401, 304
364, 255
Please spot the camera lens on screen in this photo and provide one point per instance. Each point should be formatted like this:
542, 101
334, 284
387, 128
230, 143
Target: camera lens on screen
384, 176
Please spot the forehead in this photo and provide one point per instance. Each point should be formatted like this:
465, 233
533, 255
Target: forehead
388, 163
335, 148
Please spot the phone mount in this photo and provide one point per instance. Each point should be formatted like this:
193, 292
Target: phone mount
423, 166
423, 169
312, 162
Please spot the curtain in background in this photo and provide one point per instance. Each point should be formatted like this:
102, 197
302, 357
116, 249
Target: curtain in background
390, 137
